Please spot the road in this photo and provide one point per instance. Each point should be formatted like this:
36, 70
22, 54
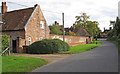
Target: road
101, 59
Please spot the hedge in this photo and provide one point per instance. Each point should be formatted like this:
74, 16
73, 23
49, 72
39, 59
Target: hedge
4, 41
48, 46
118, 41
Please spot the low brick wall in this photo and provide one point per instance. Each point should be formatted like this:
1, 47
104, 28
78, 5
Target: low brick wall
20, 44
71, 40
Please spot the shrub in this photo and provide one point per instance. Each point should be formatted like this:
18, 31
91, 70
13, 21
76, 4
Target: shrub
5, 40
114, 38
54, 29
48, 46
118, 41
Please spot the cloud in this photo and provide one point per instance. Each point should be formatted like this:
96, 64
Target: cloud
99, 10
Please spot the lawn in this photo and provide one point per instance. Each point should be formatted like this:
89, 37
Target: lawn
83, 48
21, 64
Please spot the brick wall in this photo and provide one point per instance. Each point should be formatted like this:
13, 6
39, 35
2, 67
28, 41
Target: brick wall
71, 40
20, 43
33, 30
13, 36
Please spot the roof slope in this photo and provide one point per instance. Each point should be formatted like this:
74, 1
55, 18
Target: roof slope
16, 20
81, 32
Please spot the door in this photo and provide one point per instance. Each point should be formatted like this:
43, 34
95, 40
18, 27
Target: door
14, 46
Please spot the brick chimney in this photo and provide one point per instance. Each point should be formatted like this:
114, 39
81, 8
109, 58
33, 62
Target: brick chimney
104, 28
110, 28
74, 26
56, 23
3, 8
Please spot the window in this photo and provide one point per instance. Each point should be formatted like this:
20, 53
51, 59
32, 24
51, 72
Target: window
42, 24
29, 40
41, 38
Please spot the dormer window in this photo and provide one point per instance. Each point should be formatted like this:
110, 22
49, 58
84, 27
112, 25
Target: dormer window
42, 24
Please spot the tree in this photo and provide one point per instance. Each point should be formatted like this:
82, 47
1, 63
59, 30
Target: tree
117, 26
82, 20
91, 26
54, 29
114, 34
4, 42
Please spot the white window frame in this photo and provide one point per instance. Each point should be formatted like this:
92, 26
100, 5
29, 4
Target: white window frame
41, 38
29, 40
42, 24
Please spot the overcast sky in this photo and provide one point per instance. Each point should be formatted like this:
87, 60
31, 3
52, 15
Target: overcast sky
99, 10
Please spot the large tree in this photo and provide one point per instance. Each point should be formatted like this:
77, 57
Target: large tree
117, 26
82, 19
54, 29
91, 26
114, 34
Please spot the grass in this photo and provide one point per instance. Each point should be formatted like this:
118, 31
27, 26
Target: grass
21, 64
83, 48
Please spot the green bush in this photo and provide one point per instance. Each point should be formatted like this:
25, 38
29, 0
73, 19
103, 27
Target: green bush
5, 41
48, 46
118, 41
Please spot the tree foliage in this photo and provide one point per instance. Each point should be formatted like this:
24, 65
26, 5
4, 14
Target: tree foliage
54, 29
4, 41
114, 34
82, 19
91, 26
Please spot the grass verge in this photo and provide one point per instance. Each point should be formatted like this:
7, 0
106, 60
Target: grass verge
83, 48
21, 64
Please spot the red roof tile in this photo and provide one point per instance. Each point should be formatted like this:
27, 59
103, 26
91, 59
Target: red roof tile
16, 20
81, 32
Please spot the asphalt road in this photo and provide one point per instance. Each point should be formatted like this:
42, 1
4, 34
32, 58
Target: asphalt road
101, 59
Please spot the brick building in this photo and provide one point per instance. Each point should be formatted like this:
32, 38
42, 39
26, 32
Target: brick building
104, 33
24, 26
79, 31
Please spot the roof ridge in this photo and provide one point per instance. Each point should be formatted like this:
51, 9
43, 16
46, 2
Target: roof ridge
16, 19
19, 10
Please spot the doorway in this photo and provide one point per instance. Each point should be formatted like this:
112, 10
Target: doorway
14, 46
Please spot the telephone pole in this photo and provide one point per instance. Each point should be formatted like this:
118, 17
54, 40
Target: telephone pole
63, 27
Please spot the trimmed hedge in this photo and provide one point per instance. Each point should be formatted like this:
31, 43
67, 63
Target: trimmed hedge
48, 46
4, 41
118, 41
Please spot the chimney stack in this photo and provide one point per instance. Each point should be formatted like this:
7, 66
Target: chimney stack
110, 28
56, 23
74, 26
3, 8
104, 28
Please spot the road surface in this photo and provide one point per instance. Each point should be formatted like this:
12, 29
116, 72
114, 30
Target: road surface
101, 59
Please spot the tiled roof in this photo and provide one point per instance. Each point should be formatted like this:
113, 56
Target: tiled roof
16, 20
81, 32
87, 33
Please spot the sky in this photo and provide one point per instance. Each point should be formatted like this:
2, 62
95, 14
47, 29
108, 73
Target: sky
102, 11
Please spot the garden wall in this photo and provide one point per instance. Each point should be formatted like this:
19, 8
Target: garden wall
72, 40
